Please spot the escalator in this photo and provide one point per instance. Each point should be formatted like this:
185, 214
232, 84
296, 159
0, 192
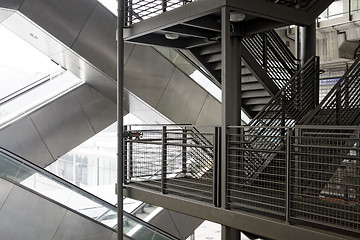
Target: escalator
62, 209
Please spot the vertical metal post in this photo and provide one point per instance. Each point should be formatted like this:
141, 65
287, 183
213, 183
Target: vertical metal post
316, 92
297, 42
265, 43
120, 123
349, 16
216, 168
357, 166
184, 149
163, 160
308, 42
164, 5
288, 175
125, 157
231, 98
131, 160
338, 105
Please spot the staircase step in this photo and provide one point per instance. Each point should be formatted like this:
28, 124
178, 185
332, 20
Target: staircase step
252, 86
255, 93
248, 79
256, 100
213, 49
213, 58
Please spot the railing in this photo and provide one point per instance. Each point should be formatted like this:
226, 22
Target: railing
273, 56
314, 178
341, 106
171, 159
286, 108
18, 170
138, 10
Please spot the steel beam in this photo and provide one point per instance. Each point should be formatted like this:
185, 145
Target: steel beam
261, 225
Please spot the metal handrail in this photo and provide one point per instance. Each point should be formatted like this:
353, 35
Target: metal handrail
343, 93
79, 190
273, 56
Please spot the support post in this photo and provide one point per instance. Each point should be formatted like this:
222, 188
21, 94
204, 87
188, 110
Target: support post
120, 123
216, 168
164, 5
265, 43
288, 174
184, 149
308, 42
231, 98
131, 160
297, 43
163, 160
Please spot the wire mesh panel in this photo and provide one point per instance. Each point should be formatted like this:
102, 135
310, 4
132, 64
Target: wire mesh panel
138, 10
175, 160
248, 151
325, 177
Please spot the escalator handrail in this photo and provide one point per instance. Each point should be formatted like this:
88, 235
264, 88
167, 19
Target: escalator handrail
80, 191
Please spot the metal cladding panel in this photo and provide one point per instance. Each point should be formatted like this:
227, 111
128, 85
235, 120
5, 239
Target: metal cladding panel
100, 111
25, 215
11, 4
177, 224
210, 114
4, 14
31, 33
63, 19
97, 41
147, 74
182, 100
145, 112
5, 189
87, 72
62, 125
23, 139
74, 226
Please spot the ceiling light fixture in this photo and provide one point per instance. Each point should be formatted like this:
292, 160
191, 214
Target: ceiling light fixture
171, 36
237, 17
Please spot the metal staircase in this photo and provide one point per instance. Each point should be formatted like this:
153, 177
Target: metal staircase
267, 66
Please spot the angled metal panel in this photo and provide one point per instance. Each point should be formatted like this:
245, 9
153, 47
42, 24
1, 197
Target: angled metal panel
72, 16
100, 111
210, 113
73, 226
99, 35
177, 224
62, 125
5, 13
143, 111
11, 4
25, 215
182, 99
5, 189
27, 30
147, 73
23, 139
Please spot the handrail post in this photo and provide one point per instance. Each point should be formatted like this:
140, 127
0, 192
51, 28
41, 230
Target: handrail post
338, 105
130, 157
316, 82
126, 158
265, 46
184, 149
288, 175
216, 167
164, 5
163, 159
357, 191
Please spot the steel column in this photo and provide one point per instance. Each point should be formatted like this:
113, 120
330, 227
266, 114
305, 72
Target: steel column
163, 159
297, 43
231, 99
216, 169
228, 233
184, 153
120, 123
308, 42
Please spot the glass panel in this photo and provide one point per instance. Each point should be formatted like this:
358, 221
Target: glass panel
42, 93
138, 232
21, 64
